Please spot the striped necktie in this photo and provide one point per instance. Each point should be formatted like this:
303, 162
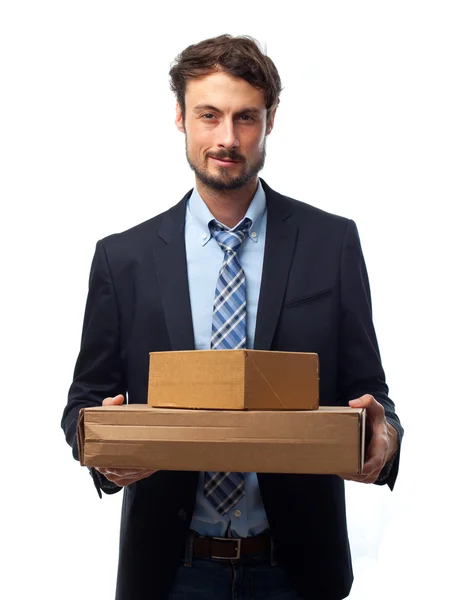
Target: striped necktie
223, 490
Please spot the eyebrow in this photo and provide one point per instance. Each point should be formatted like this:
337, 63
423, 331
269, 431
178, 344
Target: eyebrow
248, 109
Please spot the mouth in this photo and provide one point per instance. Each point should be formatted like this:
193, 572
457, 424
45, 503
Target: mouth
224, 162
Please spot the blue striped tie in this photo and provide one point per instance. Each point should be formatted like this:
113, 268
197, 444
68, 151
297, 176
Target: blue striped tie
223, 490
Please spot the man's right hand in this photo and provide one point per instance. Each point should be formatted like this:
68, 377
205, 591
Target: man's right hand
124, 476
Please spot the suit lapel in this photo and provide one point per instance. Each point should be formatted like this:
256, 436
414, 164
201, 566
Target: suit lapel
171, 266
280, 245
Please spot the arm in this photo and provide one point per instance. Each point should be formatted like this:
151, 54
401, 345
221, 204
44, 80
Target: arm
360, 375
98, 371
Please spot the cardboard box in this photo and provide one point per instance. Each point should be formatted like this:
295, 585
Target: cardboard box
328, 440
234, 380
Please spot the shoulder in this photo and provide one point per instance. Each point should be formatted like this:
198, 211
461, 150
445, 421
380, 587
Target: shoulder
136, 234
307, 211
305, 214
143, 236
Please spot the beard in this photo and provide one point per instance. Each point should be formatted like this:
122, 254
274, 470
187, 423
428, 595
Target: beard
224, 181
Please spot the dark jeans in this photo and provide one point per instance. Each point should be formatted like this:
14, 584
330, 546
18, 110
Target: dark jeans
248, 579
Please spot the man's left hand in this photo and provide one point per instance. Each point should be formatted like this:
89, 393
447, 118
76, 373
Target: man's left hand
383, 442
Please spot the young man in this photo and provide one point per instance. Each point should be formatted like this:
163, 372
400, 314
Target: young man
287, 277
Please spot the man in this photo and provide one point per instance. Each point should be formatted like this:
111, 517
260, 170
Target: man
301, 286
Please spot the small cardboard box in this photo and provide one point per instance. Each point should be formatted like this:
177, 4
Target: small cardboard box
234, 380
328, 440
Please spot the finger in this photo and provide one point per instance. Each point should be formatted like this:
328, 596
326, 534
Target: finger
124, 472
131, 474
123, 481
109, 476
361, 478
378, 442
362, 401
347, 476
374, 461
370, 471
371, 476
367, 401
375, 465
118, 474
357, 478
115, 401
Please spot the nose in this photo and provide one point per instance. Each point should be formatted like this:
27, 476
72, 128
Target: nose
227, 134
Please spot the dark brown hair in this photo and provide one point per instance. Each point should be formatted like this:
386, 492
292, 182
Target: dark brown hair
239, 56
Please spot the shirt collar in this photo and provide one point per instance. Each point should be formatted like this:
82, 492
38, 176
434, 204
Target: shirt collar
202, 215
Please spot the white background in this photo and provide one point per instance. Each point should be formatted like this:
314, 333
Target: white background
374, 124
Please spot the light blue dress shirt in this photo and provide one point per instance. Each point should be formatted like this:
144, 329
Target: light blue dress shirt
204, 259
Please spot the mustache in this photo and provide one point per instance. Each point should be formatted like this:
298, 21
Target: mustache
227, 155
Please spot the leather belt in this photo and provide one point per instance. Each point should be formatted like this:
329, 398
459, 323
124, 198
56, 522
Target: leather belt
231, 548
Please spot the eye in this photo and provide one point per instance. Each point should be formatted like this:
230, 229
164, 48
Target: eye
246, 118
207, 116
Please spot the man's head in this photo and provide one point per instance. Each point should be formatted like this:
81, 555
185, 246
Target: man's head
227, 94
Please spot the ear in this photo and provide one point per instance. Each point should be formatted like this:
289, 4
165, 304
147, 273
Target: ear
270, 120
179, 118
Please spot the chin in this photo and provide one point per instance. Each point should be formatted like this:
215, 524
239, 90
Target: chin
223, 183
218, 179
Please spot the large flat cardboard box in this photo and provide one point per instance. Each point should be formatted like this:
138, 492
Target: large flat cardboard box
328, 440
234, 380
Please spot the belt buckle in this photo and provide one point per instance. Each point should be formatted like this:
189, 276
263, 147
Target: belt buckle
236, 541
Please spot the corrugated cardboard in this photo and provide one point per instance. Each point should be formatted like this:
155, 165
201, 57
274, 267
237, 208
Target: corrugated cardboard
328, 440
234, 380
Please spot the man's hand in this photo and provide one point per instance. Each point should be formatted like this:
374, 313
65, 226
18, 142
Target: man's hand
126, 476
383, 442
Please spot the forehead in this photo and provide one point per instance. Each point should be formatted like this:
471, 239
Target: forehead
223, 91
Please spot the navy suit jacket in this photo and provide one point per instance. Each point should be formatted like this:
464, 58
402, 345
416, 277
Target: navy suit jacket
314, 297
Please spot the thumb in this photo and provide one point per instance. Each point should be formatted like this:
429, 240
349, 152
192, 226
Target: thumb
365, 401
357, 403
117, 400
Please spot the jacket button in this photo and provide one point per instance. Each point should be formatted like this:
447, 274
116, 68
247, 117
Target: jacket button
182, 514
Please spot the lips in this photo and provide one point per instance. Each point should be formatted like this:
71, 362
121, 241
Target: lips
226, 161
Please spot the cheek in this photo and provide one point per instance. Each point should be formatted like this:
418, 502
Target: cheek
254, 142
199, 142
255, 148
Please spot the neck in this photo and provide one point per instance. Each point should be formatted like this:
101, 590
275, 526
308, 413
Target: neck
228, 207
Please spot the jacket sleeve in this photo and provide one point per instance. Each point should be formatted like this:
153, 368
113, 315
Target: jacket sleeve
98, 371
360, 368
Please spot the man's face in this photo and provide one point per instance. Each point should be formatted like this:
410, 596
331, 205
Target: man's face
225, 130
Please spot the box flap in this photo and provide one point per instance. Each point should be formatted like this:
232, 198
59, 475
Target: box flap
197, 378
283, 380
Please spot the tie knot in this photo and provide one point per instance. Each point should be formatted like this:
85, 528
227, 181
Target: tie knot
230, 241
